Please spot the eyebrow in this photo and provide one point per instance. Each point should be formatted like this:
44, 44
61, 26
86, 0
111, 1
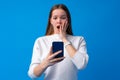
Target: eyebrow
61, 15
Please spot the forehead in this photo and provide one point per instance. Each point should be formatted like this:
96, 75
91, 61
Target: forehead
58, 12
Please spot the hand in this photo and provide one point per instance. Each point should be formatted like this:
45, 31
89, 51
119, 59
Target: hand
63, 29
50, 60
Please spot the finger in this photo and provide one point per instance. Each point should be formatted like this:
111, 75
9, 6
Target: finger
57, 59
60, 28
56, 53
65, 26
52, 63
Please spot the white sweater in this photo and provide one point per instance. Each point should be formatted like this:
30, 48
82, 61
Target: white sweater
66, 69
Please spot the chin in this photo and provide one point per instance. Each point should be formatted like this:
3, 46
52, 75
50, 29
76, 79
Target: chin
57, 32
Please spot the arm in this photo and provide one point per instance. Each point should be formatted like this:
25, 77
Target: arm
48, 61
35, 61
37, 66
78, 56
70, 49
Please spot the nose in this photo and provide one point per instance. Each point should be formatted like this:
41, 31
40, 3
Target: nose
59, 21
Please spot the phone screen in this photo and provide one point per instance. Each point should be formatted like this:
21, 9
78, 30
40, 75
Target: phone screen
56, 46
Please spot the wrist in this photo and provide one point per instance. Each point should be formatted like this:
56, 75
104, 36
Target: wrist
67, 43
44, 65
64, 40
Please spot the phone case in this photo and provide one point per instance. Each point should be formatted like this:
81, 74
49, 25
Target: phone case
56, 46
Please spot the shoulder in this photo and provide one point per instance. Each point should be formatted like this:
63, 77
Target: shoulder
42, 38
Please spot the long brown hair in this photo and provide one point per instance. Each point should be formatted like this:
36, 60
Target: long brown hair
49, 29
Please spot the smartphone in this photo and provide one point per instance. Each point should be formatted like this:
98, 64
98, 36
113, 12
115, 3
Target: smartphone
56, 46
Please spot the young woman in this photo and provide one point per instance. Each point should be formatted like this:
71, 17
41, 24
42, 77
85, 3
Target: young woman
75, 58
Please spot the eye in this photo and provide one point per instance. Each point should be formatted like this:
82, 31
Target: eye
63, 17
55, 18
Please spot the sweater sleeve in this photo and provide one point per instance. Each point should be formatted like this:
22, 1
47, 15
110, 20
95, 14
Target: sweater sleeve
80, 59
35, 59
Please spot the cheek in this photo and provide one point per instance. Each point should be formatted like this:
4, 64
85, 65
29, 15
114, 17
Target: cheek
53, 22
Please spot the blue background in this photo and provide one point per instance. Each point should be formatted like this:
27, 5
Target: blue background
22, 21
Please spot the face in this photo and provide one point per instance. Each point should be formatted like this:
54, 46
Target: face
59, 18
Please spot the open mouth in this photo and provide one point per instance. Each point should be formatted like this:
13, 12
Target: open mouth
58, 27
